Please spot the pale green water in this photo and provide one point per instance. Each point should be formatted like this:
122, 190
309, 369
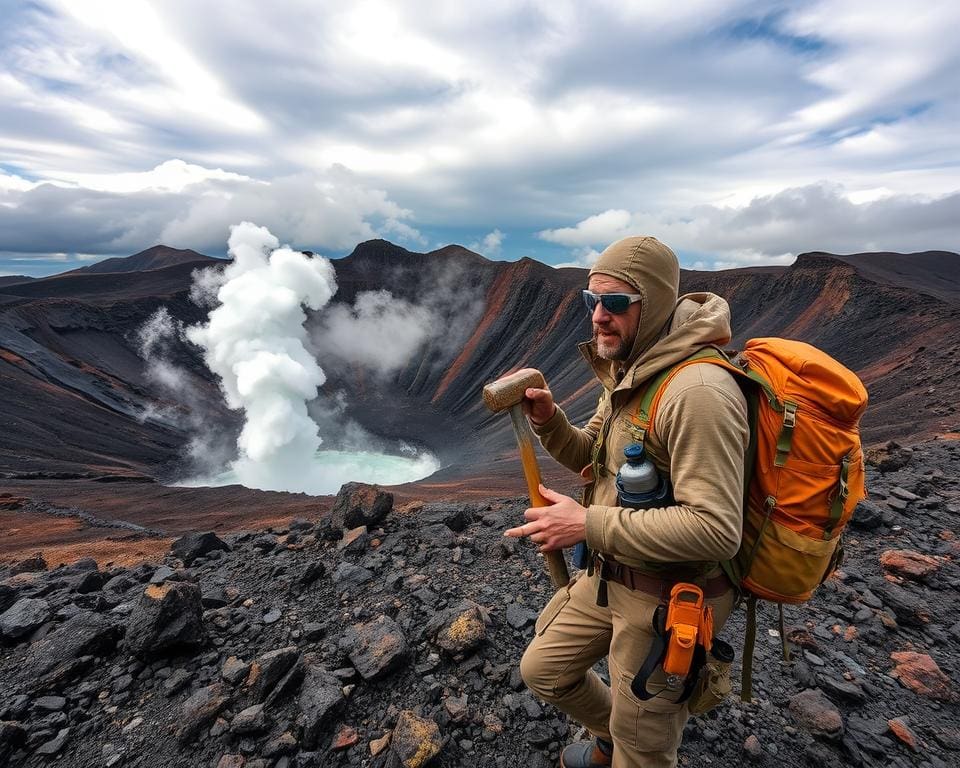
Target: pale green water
331, 469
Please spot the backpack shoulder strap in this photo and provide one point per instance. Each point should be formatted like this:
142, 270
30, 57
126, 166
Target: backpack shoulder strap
643, 418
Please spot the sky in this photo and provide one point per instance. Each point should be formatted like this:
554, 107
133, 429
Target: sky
738, 132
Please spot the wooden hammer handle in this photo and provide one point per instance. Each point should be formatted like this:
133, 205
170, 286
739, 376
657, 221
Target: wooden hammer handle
531, 471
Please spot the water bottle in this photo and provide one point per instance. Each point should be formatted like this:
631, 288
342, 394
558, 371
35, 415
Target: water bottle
639, 485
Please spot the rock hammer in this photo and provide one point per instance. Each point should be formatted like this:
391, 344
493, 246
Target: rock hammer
505, 393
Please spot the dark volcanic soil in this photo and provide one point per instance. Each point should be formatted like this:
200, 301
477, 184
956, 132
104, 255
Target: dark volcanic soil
306, 645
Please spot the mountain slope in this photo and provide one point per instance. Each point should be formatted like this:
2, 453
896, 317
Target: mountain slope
76, 391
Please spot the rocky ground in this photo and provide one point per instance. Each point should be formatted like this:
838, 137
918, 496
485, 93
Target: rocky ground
388, 635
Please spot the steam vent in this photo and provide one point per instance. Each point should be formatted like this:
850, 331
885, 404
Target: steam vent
150, 619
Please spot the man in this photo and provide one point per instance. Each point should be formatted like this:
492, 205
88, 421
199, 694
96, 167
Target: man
698, 441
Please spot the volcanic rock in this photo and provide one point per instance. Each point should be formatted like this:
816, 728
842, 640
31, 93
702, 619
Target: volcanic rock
55, 744
320, 697
910, 564
815, 713
375, 648
267, 670
81, 634
191, 546
920, 673
167, 617
89, 581
33, 564
867, 516
344, 738
249, 720
458, 630
900, 729
359, 504
12, 737
23, 617
8, 596
455, 516
348, 576
313, 571
416, 740
234, 670
200, 709
907, 607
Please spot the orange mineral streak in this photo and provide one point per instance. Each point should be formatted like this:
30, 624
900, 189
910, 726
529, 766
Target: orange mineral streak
829, 303
496, 299
157, 591
559, 313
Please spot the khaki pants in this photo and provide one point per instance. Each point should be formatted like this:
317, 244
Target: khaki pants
572, 634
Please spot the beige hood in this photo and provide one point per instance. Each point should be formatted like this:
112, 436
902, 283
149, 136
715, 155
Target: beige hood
697, 319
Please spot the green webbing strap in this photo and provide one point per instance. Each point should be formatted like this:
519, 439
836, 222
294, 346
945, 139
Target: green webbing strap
749, 640
641, 417
786, 432
767, 389
836, 506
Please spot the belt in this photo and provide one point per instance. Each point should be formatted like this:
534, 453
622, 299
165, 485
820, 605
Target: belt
631, 578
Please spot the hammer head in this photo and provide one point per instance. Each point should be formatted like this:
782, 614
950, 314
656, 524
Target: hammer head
509, 390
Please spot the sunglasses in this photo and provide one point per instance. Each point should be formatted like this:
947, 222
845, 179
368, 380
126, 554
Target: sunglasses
614, 303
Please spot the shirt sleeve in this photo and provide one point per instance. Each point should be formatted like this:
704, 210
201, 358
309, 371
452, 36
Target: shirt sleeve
702, 422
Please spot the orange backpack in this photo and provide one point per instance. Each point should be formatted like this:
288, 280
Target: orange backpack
804, 471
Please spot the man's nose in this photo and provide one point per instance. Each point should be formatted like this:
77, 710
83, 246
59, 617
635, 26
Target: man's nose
600, 315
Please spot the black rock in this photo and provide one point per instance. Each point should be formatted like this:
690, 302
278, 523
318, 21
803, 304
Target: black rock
455, 516
12, 737
313, 571
519, 617
191, 546
32, 564
907, 607
867, 516
842, 691
348, 576
168, 617
8, 596
320, 697
359, 504
55, 744
268, 669
200, 709
23, 617
375, 648
89, 581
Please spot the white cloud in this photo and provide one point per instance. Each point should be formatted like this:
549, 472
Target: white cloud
773, 229
490, 245
531, 116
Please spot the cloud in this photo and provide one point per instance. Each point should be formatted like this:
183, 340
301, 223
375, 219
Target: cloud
340, 122
189, 206
772, 229
490, 245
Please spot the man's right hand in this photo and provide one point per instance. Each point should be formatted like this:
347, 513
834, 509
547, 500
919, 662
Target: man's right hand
538, 405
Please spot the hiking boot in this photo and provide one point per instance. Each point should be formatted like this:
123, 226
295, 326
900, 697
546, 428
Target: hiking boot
587, 754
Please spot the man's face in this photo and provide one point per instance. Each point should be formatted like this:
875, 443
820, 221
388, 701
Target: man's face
614, 334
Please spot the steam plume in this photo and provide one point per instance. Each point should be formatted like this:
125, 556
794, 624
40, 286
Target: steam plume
254, 340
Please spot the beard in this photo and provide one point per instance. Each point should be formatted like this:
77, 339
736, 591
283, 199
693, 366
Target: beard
613, 347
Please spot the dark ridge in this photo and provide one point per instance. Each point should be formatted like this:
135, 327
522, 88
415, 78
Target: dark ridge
72, 369
157, 257
13, 279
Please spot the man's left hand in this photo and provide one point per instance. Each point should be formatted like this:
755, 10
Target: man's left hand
561, 524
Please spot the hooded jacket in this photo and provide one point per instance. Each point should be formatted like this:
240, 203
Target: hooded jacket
699, 439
